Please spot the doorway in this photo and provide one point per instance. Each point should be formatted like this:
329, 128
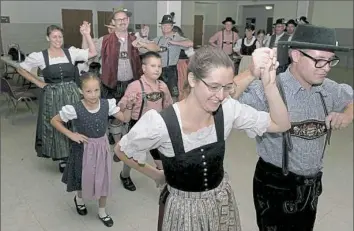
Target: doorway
198, 30
257, 15
71, 21
269, 25
103, 18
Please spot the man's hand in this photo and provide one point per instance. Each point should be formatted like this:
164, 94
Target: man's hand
337, 120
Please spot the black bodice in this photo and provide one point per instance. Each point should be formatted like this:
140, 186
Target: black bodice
200, 169
248, 50
61, 72
92, 125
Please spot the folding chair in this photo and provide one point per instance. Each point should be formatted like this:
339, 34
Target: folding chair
15, 97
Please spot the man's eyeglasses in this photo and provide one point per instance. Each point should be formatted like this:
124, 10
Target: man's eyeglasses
319, 63
216, 87
121, 19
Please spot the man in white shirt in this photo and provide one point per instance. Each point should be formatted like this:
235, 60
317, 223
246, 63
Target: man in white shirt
279, 34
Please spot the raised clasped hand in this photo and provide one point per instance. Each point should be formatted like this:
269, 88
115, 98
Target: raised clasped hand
264, 65
85, 28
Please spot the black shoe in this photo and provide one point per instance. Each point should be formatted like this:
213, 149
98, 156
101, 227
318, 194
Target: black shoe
81, 209
62, 166
107, 221
116, 158
127, 183
111, 139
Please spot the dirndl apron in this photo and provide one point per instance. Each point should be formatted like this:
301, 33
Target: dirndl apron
61, 90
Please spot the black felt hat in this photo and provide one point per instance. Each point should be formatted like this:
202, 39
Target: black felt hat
312, 37
280, 21
167, 19
229, 19
291, 21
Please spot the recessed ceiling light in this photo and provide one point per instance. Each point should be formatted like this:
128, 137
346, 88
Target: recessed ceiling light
268, 7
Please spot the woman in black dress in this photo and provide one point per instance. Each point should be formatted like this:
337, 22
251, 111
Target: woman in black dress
58, 88
190, 136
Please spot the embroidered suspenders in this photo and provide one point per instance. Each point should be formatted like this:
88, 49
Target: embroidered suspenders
287, 143
145, 98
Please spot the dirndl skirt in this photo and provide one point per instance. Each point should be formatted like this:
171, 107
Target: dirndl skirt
50, 143
213, 210
89, 169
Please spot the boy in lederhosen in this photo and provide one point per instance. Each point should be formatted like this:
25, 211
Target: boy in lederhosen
288, 177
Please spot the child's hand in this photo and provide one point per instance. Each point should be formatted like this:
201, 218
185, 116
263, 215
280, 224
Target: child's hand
162, 87
78, 138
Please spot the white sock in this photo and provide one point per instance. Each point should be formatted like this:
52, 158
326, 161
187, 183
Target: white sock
102, 212
79, 200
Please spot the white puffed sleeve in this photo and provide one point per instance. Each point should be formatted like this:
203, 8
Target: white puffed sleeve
148, 133
67, 113
253, 122
33, 60
112, 107
78, 54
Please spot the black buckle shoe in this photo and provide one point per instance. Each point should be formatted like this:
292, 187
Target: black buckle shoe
127, 183
116, 158
80, 209
62, 166
107, 221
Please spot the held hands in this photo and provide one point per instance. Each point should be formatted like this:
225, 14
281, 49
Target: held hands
132, 99
78, 138
162, 87
145, 31
85, 28
160, 179
337, 120
137, 43
263, 59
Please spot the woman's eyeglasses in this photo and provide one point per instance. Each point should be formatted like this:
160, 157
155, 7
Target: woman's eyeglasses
216, 87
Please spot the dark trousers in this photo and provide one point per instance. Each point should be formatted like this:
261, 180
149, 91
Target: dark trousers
170, 77
285, 203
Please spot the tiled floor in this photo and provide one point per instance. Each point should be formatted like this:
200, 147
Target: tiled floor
34, 199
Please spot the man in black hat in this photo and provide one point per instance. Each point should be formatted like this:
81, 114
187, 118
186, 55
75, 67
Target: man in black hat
290, 28
288, 177
226, 38
279, 34
169, 47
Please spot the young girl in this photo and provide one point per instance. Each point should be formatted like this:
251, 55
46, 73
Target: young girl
153, 94
88, 170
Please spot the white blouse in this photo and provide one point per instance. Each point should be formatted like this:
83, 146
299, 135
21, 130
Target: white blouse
68, 111
238, 44
150, 132
36, 59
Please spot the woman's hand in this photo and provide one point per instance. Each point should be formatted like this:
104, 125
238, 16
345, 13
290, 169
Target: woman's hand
160, 178
85, 28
